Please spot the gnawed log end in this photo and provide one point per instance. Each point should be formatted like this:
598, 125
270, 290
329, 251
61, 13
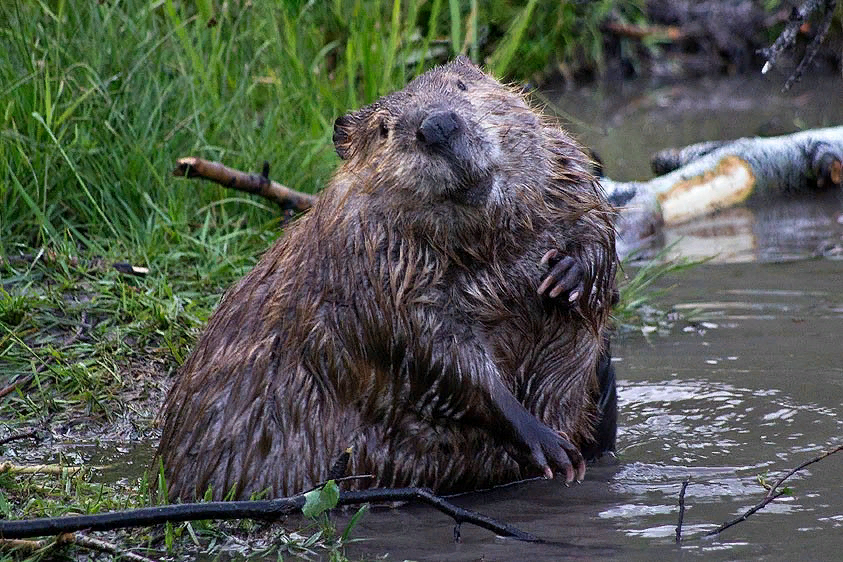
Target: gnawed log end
730, 182
186, 168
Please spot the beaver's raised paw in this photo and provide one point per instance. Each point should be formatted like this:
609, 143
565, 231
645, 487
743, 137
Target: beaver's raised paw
564, 278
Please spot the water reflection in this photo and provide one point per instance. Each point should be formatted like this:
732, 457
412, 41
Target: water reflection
777, 231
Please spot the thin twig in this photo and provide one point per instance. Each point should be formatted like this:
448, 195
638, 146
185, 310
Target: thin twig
342, 479
787, 38
51, 256
681, 509
793, 471
772, 494
21, 382
812, 49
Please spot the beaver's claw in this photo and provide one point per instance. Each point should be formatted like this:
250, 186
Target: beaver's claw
553, 452
564, 278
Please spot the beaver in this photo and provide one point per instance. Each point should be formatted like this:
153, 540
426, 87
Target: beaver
442, 311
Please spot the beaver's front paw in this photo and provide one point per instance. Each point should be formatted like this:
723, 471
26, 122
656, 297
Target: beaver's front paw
565, 277
551, 451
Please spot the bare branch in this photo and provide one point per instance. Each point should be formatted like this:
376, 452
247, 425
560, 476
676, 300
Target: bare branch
772, 493
264, 509
50, 256
287, 198
787, 38
813, 48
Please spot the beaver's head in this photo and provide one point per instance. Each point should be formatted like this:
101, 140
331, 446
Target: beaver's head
454, 135
456, 152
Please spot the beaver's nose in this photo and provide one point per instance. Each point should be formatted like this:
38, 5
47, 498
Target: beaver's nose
437, 128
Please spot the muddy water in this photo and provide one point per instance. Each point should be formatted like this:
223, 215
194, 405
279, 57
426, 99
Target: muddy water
750, 383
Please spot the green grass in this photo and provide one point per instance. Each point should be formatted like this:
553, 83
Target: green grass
317, 537
99, 99
640, 291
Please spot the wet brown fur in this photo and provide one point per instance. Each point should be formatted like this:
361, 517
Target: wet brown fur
402, 311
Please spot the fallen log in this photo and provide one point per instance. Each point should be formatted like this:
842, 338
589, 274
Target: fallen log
709, 177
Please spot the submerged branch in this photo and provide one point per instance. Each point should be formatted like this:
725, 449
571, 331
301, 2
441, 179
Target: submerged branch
681, 509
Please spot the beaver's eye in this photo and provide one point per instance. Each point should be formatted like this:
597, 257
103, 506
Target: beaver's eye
461, 85
384, 129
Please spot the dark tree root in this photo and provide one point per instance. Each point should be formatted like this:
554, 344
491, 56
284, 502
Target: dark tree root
264, 509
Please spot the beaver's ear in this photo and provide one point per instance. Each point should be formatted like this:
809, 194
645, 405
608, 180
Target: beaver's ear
463, 60
464, 65
343, 129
